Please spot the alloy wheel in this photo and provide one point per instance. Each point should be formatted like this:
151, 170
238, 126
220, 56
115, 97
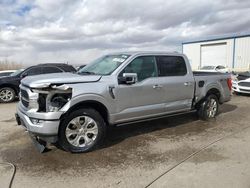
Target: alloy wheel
81, 131
6, 95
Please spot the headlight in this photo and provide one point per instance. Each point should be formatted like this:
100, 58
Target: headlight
52, 99
58, 101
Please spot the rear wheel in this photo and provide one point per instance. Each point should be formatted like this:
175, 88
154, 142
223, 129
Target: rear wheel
82, 131
7, 95
209, 108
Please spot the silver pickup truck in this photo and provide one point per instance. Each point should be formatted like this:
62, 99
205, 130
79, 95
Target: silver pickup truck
75, 109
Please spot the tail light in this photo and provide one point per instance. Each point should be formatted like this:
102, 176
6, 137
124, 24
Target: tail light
229, 83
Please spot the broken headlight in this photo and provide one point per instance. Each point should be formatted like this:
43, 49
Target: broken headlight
52, 99
57, 101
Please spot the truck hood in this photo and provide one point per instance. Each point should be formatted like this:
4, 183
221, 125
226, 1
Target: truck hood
45, 80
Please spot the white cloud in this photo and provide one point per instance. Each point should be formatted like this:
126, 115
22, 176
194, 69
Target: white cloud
77, 31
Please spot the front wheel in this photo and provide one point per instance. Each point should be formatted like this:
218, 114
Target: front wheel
83, 130
209, 108
7, 95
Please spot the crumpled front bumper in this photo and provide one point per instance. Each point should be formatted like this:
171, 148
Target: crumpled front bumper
48, 122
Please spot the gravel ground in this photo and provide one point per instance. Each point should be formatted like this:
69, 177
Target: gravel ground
134, 155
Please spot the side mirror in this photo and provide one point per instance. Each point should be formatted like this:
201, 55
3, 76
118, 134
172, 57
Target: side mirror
128, 78
24, 75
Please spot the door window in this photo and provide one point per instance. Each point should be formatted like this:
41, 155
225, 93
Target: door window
33, 71
171, 66
47, 70
144, 67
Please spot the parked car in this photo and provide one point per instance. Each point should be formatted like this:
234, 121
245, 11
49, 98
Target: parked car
74, 110
9, 85
80, 67
218, 68
6, 72
241, 83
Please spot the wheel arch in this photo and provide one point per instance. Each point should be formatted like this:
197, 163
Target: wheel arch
98, 106
215, 92
211, 91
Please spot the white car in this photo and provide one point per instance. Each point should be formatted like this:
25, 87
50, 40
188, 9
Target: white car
212, 68
7, 72
241, 84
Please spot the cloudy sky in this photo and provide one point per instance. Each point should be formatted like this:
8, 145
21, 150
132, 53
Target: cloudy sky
76, 31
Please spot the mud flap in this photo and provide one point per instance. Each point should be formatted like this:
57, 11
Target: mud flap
40, 145
18, 120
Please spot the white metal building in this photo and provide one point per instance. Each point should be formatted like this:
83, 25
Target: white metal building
232, 52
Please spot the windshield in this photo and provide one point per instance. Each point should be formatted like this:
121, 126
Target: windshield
207, 68
104, 65
17, 72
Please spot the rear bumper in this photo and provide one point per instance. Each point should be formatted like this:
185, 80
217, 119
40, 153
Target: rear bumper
40, 127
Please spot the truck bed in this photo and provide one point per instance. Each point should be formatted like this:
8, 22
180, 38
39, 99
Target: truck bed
204, 81
201, 73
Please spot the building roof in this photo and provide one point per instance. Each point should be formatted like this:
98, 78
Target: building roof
143, 52
217, 38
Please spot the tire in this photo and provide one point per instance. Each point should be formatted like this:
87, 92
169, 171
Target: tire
208, 109
82, 131
236, 93
7, 95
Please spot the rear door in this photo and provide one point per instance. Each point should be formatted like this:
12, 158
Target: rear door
177, 83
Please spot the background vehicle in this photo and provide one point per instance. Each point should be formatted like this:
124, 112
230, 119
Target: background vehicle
218, 68
241, 83
80, 67
74, 110
6, 72
9, 85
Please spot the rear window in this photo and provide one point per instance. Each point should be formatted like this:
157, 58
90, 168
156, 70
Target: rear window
171, 66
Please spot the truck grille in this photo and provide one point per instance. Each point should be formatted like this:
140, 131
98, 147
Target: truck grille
24, 98
245, 84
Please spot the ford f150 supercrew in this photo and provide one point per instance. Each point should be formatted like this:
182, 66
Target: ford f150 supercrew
74, 110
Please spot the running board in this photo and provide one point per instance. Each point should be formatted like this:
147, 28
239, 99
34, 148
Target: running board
154, 118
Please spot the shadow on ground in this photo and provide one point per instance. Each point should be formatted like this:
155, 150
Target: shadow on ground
124, 145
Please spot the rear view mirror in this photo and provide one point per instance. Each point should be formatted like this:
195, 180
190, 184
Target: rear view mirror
128, 78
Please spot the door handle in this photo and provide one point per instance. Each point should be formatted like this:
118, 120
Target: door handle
187, 83
157, 86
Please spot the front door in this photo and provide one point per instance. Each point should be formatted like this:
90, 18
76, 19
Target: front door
144, 98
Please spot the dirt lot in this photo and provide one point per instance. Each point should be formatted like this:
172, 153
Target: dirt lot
135, 155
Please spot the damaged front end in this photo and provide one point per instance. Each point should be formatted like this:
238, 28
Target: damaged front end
40, 110
53, 98
49, 98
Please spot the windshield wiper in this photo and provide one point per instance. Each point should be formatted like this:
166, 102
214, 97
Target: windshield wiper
86, 72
